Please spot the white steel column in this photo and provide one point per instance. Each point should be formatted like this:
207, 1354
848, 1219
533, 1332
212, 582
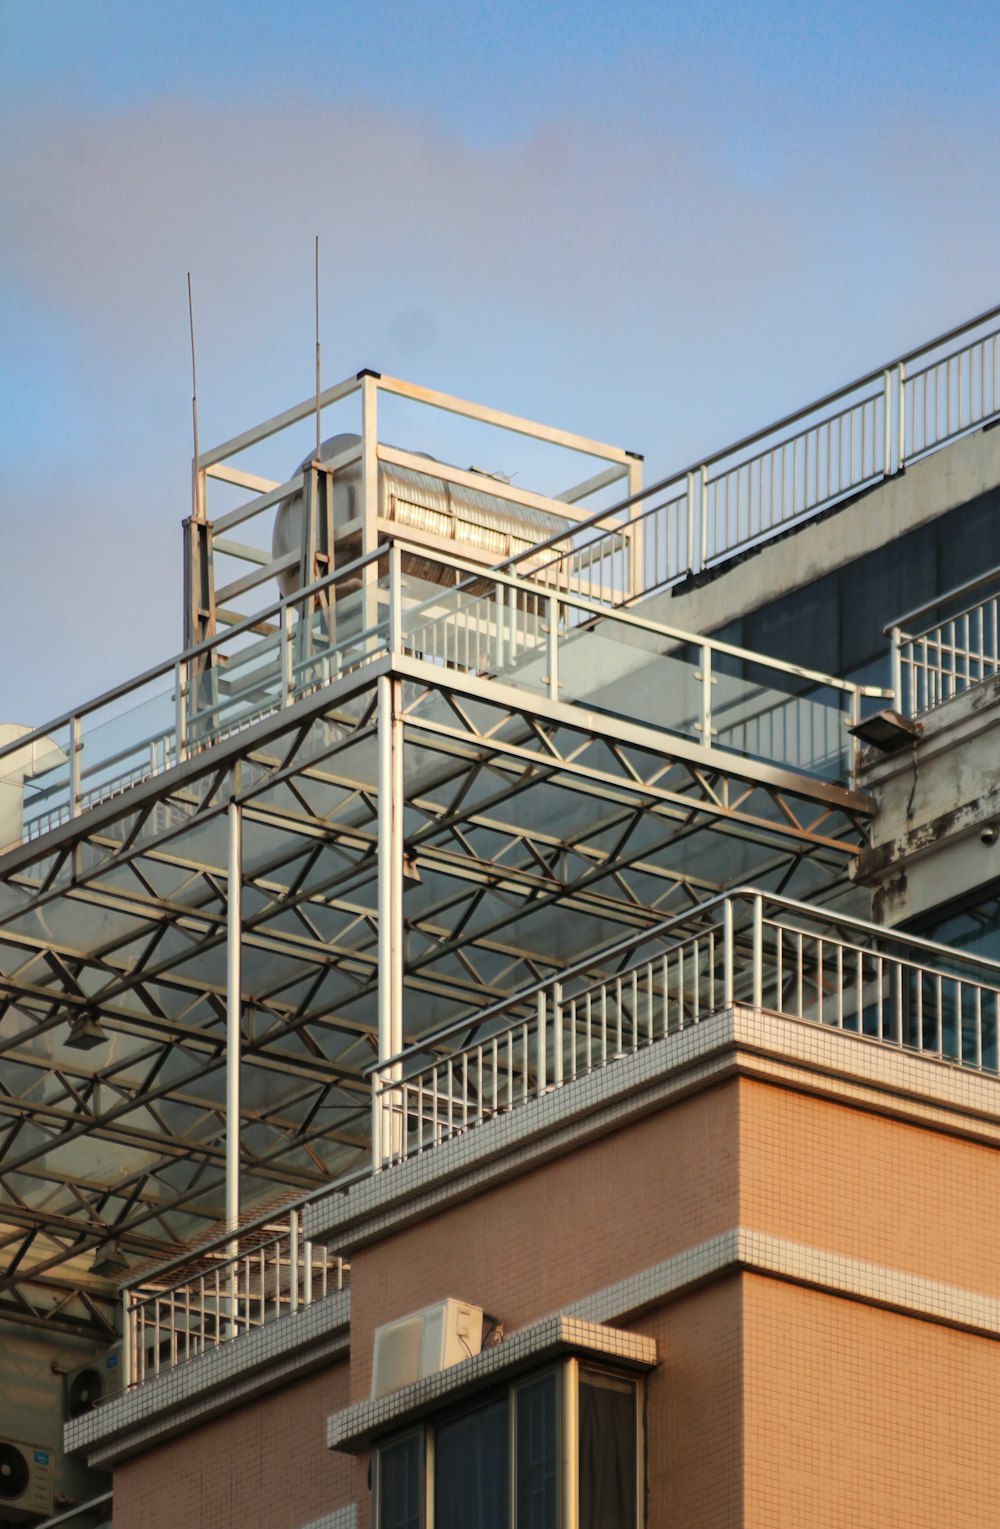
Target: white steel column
390, 902
234, 935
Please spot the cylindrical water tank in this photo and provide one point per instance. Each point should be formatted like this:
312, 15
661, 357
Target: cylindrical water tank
475, 520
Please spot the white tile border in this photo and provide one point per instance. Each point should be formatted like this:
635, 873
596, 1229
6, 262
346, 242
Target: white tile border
224, 1376
353, 1428
749, 1042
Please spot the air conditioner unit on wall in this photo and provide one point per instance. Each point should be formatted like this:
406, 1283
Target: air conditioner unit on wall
26, 1479
93, 1383
423, 1343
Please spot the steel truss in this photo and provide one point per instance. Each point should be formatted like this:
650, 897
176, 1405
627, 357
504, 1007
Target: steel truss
415, 842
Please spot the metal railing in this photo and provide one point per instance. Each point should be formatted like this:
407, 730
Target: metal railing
934, 663
494, 625
791, 470
743, 947
228, 1286
574, 649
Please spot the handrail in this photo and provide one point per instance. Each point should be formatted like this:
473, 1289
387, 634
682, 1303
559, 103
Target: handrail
743, 947
934, 664
896, 417
602, 613
168, 666
221, 1239
949, 595
230, 1284
610, 953
252, 679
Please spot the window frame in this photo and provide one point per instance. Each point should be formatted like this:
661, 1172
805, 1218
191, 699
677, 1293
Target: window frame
567, 1374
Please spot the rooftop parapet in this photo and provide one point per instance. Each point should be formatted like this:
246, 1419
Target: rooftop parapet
748, 947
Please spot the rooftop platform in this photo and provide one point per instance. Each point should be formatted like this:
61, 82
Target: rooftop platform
450, 764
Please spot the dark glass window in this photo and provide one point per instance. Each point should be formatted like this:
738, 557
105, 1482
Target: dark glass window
400, 1479
607, 1452
500, 1465
472, 1469
537, 1454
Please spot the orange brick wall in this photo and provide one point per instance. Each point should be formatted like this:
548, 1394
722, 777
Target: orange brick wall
860, 1419
866, 1186
694, 1408
263, 1466
532, 1245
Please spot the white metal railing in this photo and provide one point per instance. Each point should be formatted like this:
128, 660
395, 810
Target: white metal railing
793, 469
226, 1287
571, 648
744, 947
931, 664
496, 625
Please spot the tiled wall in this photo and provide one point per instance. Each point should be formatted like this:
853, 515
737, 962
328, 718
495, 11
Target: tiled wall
536, 1243
263, 1466
855, 1182
857, 1417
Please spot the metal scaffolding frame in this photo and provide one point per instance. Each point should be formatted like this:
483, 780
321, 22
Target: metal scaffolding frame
410, 788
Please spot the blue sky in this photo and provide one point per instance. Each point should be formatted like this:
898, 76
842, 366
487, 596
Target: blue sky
656, 224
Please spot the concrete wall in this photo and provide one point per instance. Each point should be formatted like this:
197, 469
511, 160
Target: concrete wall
933, 801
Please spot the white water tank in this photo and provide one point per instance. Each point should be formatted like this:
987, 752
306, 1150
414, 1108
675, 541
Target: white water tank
475, 521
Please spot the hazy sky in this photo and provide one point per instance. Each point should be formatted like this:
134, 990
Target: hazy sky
662, 225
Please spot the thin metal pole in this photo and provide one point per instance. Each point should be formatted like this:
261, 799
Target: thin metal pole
317, 351
727, 976
390, 893
197, 508
234, 929
758, 952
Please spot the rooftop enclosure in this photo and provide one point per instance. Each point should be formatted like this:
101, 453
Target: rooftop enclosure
423, 765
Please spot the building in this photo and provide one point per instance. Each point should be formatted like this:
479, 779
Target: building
517, 1014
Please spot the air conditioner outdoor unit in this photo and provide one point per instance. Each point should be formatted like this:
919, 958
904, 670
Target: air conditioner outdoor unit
94, 1383
26, 1480
423, 1343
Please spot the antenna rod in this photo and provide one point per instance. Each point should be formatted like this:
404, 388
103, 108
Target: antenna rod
195, 495
317, 348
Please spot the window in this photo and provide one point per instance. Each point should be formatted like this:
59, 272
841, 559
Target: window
559, 1450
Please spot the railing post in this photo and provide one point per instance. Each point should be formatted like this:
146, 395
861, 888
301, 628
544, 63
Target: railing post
293, 1261
758, 951
704, 519
727, 952
690, 523
377, 1147
395, 599
307, 1273
541, 1044
896, 638
74, 767
500, 606
552, 607
557, 1033
180, 710
287, 656
901, 425
706, 695
128, 1340
887, 422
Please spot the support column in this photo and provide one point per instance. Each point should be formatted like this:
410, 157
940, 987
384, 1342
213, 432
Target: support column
234, 935
388, 1122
